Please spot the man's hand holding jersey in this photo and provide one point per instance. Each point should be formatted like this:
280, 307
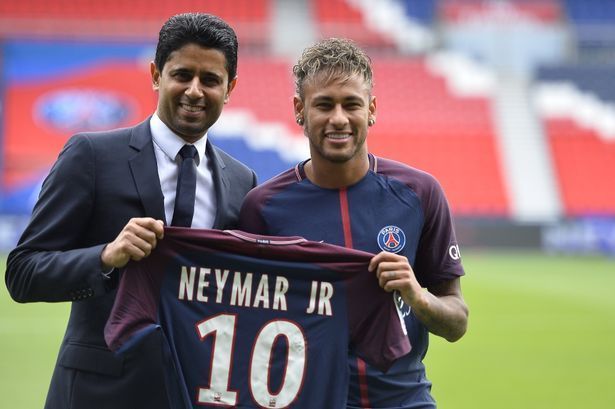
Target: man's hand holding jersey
136, 241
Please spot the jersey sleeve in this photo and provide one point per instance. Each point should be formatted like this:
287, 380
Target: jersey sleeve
437, 257
134, 313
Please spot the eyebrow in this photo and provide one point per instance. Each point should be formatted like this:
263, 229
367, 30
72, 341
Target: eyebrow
192, 71
174, 70
350, 98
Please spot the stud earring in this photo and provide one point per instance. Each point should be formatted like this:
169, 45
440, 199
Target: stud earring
371, 122
299, 121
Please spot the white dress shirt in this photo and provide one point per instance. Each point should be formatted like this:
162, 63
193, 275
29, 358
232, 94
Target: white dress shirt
166, 147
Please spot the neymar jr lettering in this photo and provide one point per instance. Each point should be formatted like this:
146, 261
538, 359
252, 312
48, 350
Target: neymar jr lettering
268, 293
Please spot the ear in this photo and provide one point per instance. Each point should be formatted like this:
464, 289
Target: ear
372, 108
155, 76
231, 87
298, 106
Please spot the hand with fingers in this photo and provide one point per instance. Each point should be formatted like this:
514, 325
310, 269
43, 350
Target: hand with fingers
136, 241
394, 273
440, 308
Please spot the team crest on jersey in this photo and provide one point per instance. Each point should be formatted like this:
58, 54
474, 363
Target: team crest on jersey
391, 239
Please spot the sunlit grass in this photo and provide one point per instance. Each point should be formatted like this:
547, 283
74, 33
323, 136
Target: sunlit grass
541, 335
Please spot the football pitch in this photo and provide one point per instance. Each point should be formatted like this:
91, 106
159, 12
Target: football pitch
541, 335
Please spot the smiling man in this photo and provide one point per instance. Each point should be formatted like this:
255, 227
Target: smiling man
346, 196
106, 200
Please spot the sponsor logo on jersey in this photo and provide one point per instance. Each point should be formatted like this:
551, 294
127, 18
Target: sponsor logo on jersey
391, 239
454, 252
72, 110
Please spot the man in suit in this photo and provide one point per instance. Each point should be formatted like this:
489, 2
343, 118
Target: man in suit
106, 200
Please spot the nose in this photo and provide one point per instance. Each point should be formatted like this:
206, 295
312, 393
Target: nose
338, 119
194, 89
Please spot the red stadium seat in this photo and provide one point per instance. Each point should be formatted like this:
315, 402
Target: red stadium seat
265, 88
585, 168
422, 124
337, 18
120, 18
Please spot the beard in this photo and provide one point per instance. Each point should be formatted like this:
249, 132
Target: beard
337, 156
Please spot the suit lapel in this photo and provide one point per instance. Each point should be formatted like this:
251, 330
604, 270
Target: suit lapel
145, 171
221, 185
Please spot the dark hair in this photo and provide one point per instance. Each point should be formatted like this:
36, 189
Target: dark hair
203, 29
337, 58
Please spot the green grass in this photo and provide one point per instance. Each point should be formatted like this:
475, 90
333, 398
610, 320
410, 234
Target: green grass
541, 335
30, 336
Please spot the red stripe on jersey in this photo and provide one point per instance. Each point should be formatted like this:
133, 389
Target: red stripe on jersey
362, 373
345, 218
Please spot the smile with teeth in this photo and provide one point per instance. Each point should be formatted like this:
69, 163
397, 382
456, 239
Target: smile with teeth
192, 108
338, 136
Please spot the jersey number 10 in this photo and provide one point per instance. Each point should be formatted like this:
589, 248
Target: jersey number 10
222, 328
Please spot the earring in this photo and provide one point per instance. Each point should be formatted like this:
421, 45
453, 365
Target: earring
299, 121
371, 122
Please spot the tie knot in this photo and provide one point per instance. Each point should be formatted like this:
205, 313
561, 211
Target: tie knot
188, 151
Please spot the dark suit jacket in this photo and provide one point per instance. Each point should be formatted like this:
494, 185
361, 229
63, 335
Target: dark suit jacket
99, 182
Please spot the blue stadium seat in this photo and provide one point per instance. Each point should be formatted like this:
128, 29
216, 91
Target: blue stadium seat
597, 79
594, 24
422, 10
590, 11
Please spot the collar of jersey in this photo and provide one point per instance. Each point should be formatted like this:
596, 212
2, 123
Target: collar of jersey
300, 167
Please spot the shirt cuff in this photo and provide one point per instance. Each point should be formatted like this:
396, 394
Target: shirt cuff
110, 278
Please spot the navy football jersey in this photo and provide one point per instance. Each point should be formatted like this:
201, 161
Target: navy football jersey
256, 322
394, 208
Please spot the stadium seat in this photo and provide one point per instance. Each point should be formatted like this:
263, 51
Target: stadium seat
423, 11
421, 123
594, 24
585, 167
126, 19
583, 152
338, 18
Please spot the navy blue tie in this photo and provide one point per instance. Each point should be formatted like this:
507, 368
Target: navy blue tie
186, 188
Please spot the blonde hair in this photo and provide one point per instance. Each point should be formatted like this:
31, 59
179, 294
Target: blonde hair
338, 58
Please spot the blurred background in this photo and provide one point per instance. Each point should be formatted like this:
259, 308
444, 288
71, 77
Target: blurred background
509, 103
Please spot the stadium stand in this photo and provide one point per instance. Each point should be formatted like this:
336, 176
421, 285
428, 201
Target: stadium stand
580, 126
422, 120
423, 11
590, 12
339, 18
422, 123
594, 79
541, 10
127, 19
593, 22
585, 168
266, 89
